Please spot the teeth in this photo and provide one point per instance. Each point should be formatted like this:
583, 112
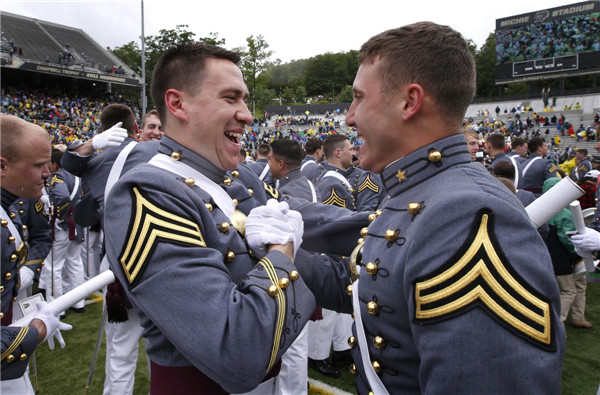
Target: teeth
234, 134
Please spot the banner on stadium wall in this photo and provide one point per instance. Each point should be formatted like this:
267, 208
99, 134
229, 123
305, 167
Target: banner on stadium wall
551, 14
69, 72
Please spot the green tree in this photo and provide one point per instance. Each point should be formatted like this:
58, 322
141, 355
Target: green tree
346, 95
255, 60
301, 94
288, 96
131, 55
485, 63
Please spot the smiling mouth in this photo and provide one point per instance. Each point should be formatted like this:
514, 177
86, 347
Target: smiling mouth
233, 137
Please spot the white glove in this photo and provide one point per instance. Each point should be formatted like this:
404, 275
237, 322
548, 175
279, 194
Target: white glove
273, 223
584, 253
110, 138
53, 325
587, 241
26, 275
45, 199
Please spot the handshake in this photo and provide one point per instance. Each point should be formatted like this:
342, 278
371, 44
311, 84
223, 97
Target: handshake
273, 223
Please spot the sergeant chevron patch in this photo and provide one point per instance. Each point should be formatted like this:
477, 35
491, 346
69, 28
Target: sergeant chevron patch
334, 199
480, 276
368, 184
150, 225
39, 206
271, 191
55, 180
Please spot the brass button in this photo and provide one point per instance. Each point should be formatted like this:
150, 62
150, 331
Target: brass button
414, 208
12, 215
43, 263
372, 217
352, 341
1, 315
208, 206
371, 393
371, 268
235, 174
372, 307
435, 156
360, 241
7, 276
20, 203
14, 299
10, 358
18, 284
21, 212
273, 290
190, 182
11, 239
294, 275
227, 181
349, 289
230, 255
175, 155
284, 283
378, 212
23, 357
353, 369
251, 253
37, 270
377, 367
223, 227
363, 232
24, 228
1, 288
379, 342
235, 202
4, 223
250, 191
391, 235
13, 257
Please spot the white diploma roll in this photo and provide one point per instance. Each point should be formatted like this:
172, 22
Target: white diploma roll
551, 202
580, 228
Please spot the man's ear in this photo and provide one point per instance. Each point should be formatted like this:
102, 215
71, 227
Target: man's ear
3, 164
413, 100
174, 101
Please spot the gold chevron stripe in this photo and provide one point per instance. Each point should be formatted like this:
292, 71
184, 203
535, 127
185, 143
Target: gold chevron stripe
147, 226
271, 191
39, 206
481, 270
270, 270
334, 199
18, 340
34, 262
368, 184
55, 179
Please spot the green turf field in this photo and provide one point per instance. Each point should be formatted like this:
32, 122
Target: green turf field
65, 371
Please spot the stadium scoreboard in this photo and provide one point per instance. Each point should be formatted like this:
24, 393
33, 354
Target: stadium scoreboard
547, 44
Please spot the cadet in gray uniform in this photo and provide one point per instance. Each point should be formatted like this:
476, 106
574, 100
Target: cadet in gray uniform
367, 186
441, 287
23, 173
333, 185
174, 228
311, 167
536, 169
583, 165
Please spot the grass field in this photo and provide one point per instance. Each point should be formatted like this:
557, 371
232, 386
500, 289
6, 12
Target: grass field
65, 371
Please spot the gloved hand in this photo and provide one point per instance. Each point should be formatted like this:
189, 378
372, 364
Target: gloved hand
273, 223
110, 138
45, 199
26, 276
587, 241
52, 323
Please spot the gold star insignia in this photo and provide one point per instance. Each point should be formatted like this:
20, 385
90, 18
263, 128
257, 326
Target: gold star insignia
401, 176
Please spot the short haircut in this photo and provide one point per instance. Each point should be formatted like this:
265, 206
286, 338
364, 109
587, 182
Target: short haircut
264, 149
289, 151
509, 184
181, 68
434, 56
333, 142
467, 132
504, 169
313, 144
535, 143
56, 156
583, 151
114, 113
496, 140
149, 113
517, 142
14, 134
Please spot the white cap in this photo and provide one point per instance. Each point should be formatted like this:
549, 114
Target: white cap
592, 174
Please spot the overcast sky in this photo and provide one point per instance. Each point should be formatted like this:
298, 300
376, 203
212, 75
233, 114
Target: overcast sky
293, 29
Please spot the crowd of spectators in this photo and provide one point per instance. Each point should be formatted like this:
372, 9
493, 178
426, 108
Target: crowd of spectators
548, 39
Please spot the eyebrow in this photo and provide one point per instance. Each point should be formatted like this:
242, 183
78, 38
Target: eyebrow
236, 92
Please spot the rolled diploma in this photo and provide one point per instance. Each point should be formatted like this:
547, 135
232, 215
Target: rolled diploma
551, 202
580, 228
75, 295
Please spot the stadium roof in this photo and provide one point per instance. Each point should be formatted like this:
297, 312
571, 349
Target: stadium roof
43, 46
